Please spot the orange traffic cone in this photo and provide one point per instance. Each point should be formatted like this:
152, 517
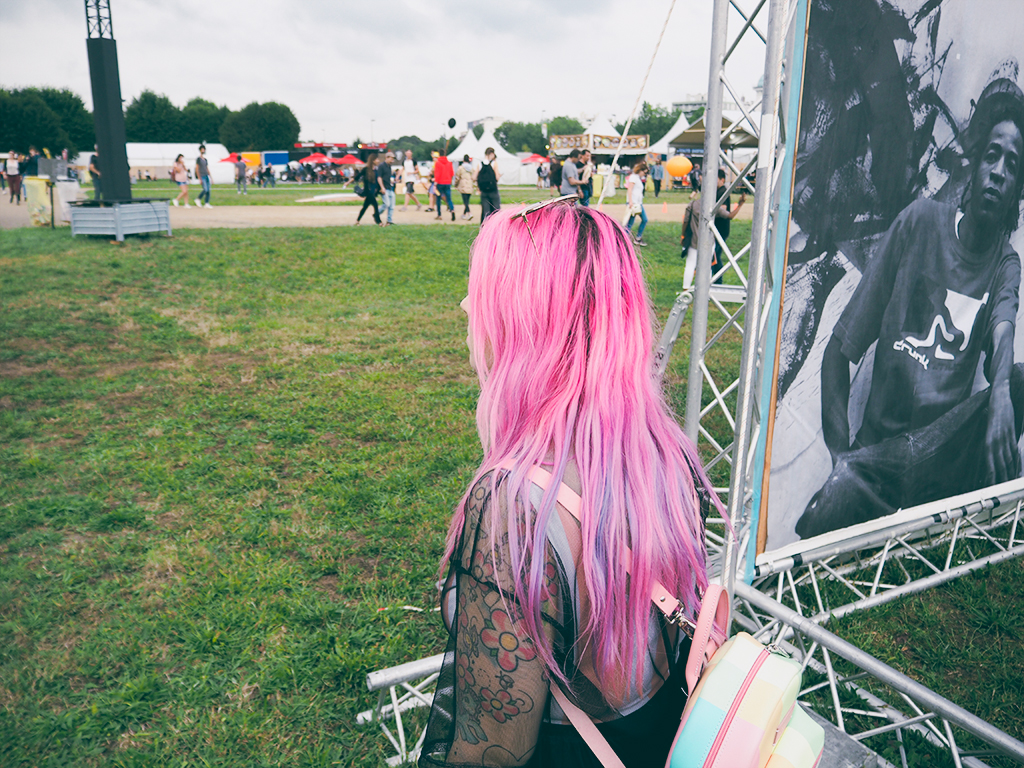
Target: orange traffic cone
664, 206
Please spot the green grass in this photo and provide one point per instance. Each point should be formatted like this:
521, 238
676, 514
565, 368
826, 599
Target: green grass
227, 460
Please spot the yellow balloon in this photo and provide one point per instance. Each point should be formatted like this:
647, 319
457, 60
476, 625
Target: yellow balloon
679, 166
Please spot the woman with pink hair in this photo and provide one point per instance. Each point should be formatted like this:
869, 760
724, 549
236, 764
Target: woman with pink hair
569, 416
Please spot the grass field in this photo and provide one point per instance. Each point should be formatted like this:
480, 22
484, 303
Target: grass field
227, 461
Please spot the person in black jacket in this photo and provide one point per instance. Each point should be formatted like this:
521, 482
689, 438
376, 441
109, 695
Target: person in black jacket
487, 181
370, 189
32, 164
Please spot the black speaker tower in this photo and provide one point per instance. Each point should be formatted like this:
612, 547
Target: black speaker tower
115, 185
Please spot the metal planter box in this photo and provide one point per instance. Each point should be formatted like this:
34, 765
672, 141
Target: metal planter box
120, 219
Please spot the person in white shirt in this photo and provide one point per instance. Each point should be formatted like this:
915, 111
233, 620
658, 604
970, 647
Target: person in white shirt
635, 201
14, 176
409, 177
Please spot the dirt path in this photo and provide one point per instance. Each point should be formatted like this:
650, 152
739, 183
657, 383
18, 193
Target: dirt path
245, 217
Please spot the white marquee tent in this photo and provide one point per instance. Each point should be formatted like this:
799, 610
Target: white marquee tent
692, 136
159, 158
508, 163
468, 146
662, 146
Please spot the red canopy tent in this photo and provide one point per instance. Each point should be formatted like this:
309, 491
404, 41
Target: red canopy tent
232, 158
535, 158
349, 160
316, 157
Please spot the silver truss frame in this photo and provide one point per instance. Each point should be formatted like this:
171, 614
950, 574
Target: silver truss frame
789, 598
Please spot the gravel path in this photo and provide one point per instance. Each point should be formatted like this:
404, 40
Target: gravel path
245, 217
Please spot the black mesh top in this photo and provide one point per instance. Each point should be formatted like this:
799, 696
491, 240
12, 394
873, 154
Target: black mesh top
492, 705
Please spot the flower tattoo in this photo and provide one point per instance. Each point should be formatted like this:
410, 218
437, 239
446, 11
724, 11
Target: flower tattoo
499, 705
483, 567
499, 635
464, 672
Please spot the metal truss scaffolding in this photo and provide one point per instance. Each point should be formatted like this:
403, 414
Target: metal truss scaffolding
792, 595
97, 19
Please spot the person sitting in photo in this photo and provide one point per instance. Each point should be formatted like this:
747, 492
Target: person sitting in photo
940, 290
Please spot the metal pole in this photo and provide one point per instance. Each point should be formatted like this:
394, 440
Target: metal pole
705, 238
759, 237
1003, 742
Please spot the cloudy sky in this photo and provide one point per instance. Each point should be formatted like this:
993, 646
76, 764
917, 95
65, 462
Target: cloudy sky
390, 67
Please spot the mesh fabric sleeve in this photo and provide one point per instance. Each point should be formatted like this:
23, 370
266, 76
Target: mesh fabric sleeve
492, 692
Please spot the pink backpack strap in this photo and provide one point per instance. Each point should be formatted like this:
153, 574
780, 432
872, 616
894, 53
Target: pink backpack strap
666, 603
712, 626
662, 598
602, 750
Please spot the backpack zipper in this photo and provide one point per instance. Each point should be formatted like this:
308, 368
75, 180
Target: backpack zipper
737, 700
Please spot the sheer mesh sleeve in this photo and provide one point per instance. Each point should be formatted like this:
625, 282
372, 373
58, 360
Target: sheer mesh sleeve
492, 692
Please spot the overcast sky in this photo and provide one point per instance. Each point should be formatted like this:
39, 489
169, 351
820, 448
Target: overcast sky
405, 65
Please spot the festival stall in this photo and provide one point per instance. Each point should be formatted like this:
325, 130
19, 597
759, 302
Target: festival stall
600, 138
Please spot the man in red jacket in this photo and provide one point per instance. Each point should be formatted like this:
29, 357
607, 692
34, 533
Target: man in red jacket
443, 174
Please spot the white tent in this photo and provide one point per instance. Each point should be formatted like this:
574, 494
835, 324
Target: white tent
661, 146
508, 163
601, 126
742, 135
468, 146
527, 171
158, 159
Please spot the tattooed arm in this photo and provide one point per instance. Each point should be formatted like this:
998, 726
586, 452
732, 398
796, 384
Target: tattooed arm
501, 688
500, 683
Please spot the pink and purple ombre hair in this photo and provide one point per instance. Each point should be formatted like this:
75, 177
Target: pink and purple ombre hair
562, 338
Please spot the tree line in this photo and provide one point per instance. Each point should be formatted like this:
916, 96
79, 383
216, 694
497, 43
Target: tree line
54, 118
154, 118
57, 119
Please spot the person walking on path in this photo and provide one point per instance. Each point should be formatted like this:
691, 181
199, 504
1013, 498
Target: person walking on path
443, 174
635, 201
370, 188
203, 174
385, 180
487, 180
179, 174
571, 174
464, 183
14, 176
586, 170
241, 182
95, 173
555, 176
657, 176
695, 179
410, 175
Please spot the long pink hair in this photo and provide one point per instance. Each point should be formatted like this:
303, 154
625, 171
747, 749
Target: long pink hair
562, 337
